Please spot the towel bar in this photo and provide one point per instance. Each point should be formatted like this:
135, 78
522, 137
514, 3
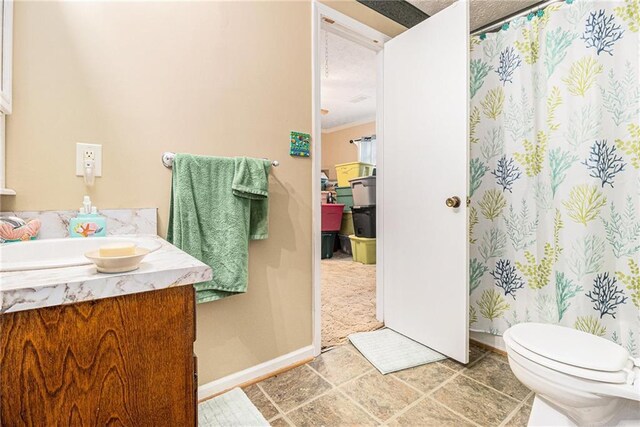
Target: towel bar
167, 160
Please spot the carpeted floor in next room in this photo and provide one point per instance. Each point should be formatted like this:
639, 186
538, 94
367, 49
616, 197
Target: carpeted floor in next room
348, 299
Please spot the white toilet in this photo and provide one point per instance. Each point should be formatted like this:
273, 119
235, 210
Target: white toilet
579, 378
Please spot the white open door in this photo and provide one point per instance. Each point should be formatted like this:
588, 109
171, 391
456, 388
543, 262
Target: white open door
425, 151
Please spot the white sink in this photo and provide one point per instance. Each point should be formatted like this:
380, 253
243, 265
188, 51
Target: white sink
57, 253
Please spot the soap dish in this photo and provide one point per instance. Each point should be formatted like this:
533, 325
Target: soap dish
117, 264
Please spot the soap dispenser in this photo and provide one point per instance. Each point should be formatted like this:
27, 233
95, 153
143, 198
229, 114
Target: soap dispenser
88, 223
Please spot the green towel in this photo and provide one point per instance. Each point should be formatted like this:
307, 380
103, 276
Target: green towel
251, 181
217, 205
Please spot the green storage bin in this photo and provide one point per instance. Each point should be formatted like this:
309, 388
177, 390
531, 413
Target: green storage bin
364, 249
328, 241
344, 191
346, 227
345, 197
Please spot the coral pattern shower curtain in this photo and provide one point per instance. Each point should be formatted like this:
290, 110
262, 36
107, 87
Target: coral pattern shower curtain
554, 172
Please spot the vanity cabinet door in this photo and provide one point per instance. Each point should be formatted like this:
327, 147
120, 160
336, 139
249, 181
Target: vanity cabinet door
118, 361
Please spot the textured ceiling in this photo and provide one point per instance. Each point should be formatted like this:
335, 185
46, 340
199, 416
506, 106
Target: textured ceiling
482, 12
349, 90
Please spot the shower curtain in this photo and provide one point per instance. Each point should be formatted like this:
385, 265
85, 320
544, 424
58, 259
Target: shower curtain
555, 171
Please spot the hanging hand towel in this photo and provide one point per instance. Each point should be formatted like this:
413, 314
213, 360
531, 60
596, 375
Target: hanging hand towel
251, 181
217, 205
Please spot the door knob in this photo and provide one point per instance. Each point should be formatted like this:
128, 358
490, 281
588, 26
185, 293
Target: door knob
453, 202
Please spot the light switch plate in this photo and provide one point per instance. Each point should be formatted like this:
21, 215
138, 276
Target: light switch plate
87, 151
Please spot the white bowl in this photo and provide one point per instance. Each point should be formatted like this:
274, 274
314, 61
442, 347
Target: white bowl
117, 264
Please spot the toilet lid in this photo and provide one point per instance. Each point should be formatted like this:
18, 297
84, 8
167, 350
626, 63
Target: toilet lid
568, 350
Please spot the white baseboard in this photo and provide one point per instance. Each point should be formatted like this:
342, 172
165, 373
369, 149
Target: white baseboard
494, 341
254, 372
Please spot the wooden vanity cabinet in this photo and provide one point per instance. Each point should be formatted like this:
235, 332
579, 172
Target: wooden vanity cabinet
121, 361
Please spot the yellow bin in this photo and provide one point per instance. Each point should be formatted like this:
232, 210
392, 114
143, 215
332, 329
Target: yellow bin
346, 228
364, 249
347, 171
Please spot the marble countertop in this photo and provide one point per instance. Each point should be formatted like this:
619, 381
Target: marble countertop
164, 268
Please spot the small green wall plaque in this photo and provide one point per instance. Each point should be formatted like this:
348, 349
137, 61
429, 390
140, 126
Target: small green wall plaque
300, 144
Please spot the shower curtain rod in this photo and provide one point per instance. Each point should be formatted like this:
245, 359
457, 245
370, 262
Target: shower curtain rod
496, 25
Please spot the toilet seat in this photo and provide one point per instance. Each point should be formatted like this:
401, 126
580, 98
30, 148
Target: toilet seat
585, 378
571, 352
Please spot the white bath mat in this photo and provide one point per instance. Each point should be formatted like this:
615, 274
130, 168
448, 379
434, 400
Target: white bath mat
232, 409
390, 351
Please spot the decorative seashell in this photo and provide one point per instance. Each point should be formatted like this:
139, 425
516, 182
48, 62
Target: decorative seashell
25, 232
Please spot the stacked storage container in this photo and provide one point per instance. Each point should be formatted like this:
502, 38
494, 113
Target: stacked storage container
345, 172
331, 223
345, 197
363, 241
363, 249
348, 171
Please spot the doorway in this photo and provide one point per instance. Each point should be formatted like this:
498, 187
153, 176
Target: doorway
347, 68
422, 121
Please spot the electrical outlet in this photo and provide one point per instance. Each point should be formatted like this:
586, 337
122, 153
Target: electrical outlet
89, 152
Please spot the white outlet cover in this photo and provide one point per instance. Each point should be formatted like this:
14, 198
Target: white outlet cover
81, 148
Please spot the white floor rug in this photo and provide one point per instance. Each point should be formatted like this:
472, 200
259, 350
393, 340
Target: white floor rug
232, 409
390, 351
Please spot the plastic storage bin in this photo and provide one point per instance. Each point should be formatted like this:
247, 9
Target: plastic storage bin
328, 241
364, 190
336, 244
364, 221
345, 244
345, 196
332, 217
347, 224
364, 249
347, 171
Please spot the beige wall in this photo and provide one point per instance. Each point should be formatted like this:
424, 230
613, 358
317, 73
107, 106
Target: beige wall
336, 148
140, 78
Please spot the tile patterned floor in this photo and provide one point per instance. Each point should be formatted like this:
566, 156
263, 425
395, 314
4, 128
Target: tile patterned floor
342, 388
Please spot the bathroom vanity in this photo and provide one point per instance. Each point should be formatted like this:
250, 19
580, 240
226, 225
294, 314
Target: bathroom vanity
84, 348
